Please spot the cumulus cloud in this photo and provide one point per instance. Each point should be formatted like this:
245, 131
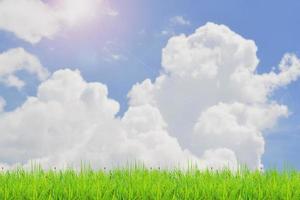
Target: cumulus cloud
40, 20
70, 121
236, 127
208, 106
32, 20
210, 95
15, 60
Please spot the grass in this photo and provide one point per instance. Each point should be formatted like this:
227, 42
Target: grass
141, 183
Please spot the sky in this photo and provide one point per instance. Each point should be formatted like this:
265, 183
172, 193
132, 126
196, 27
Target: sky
111, 81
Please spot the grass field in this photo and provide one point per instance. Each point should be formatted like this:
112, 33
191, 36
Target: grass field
140, 183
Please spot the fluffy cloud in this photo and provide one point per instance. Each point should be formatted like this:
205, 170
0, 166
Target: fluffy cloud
29, 20
70, 121
208, 106
15, 60
236, 127
32, 20
210, 95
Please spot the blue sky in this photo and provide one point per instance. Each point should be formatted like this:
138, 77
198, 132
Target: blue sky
123, 50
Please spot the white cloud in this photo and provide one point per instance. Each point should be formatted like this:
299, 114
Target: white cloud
174, 22
237, 127
32, 20
210, 95
208, 106
15, 60
70, 121
2, 104
29, 20
219, 159
180, 20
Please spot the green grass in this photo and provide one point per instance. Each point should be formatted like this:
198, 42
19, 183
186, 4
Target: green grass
140, 183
